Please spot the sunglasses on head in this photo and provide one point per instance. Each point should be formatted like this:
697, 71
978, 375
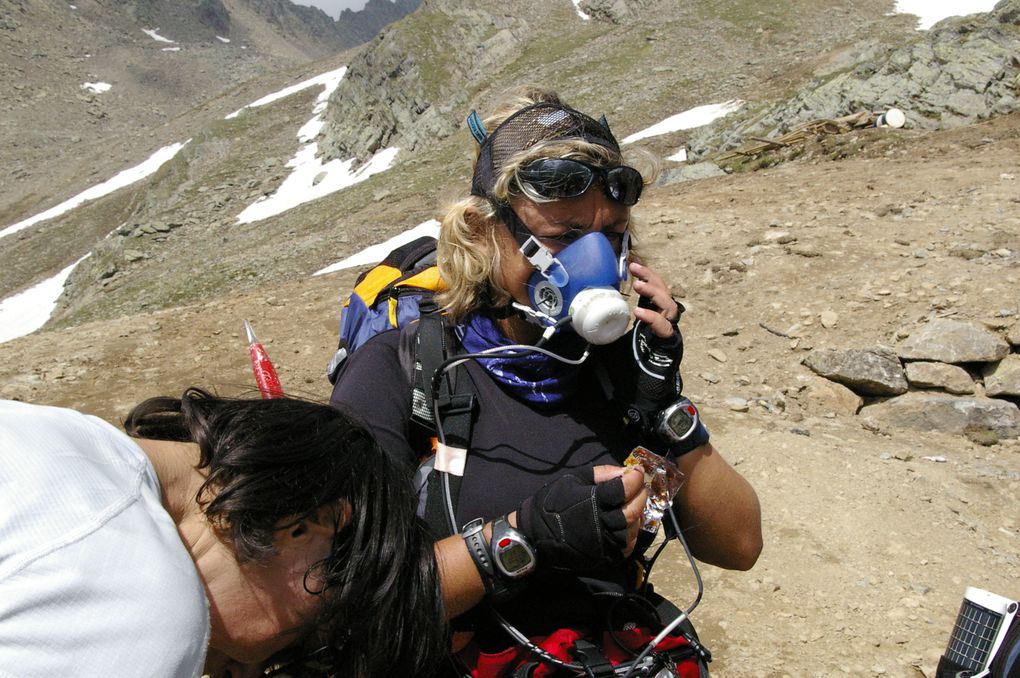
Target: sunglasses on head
555, 178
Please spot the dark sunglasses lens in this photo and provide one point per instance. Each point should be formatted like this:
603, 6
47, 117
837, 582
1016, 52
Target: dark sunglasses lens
624, 184
558, 178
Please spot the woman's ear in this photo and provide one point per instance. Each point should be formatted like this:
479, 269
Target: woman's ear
324, 522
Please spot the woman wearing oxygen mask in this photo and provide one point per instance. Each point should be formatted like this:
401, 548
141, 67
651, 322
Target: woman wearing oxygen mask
543, 516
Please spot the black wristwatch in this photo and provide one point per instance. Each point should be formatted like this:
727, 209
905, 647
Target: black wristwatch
679, 426
511, 552
500, 567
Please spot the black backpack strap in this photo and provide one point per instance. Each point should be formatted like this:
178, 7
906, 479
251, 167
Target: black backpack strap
431, 349
455, 402
591, 658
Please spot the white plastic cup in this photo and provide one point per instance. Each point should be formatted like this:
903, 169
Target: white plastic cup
894, 118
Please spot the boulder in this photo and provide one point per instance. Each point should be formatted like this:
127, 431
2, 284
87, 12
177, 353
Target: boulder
821, 396
1013, 336
949, 378
952, 341
874, 371
1003, 377
974, 417
692, 172
613, 11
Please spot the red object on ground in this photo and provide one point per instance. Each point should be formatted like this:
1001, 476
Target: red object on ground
262, 367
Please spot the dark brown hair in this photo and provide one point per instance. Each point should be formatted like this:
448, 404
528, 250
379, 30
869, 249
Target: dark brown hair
272, 463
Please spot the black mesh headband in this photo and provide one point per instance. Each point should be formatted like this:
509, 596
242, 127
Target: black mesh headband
544, 121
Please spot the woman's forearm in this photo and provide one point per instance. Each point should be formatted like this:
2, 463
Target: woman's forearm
462, 585
718, 511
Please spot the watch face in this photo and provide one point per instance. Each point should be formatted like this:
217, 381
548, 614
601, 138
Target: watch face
681, 420
515, 557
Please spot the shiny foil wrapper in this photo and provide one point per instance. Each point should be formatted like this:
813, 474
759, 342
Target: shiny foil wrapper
662, 479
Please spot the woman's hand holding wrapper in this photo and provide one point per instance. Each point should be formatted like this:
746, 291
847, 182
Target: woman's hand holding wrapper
586, 519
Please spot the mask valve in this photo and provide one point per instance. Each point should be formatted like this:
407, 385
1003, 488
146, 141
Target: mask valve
581, 285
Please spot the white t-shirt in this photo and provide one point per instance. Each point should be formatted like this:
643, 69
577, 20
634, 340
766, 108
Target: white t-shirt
94, 578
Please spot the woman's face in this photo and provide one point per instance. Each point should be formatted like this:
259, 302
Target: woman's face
258, 608
562, 219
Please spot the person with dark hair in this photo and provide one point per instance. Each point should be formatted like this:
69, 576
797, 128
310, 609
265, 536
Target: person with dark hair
563, 378
214, 535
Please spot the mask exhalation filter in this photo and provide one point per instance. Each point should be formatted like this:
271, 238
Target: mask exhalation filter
582, 283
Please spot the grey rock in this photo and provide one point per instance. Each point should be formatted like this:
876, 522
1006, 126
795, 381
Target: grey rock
875, 371
613, 11
951, 341
821, 396
949, 414
737, 404
1013, 336
949, 378
357, 27
693, 172
1003, 378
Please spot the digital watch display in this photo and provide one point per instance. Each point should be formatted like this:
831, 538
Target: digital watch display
511, 552
679, 425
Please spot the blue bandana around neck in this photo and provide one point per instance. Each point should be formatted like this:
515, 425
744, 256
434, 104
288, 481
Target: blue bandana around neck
533, 377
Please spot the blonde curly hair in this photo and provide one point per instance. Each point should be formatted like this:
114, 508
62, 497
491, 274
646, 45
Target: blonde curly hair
469, 257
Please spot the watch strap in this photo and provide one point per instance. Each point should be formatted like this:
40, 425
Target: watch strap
478, 547
497, 587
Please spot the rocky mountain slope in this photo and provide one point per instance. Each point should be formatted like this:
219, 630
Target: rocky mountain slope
638, 60
356, 28
846, 242
657, 60
963, 70
59, 137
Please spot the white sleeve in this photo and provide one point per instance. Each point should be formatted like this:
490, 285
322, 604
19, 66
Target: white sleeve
94, 579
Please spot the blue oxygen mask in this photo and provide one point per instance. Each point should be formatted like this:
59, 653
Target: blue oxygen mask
581, 283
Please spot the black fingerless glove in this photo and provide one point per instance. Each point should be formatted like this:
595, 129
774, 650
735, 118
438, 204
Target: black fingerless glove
658, 361
574, 524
